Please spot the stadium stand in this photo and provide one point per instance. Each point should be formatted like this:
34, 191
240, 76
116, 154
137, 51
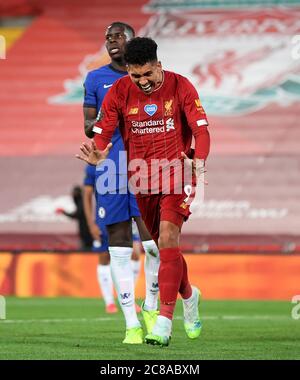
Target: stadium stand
252, 200
38, 139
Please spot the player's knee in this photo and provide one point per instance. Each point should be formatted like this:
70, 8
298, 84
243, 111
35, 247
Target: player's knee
136, 251
120, 235
116, 242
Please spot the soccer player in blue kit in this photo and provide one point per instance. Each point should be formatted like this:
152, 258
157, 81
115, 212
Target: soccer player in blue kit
117, 210
98, 231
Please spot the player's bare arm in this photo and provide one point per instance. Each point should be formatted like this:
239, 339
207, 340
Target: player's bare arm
91, 154
88, 194
90, 115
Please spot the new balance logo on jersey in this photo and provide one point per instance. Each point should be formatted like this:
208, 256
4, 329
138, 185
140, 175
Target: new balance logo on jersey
170, 124
133, 111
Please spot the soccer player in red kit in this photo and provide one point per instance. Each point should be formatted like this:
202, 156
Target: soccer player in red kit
158, 112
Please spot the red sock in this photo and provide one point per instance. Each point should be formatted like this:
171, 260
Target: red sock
169, 279
185, 288
167, 309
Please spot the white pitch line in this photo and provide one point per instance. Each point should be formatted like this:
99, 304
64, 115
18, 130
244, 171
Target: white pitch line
103, 319
57, 320
42, 303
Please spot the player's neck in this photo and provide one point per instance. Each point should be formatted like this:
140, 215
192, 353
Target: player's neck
119, 66
160, 81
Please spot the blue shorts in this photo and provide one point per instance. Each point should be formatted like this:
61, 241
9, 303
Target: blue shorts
115, 208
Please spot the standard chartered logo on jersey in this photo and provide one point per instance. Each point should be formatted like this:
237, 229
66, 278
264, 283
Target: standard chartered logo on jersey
152, 126
148, 126
2, 308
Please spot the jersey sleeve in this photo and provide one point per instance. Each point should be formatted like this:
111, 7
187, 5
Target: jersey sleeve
90, 96
108, 118
89, 178
196, 118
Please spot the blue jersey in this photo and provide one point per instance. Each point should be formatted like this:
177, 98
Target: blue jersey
96, 85
111, 208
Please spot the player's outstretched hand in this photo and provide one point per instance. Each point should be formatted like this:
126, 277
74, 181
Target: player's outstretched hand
198, 167
91, 154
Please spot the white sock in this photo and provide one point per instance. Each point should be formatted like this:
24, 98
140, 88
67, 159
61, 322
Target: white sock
163, 326
122, 275
136, 267
151, 267
105, 283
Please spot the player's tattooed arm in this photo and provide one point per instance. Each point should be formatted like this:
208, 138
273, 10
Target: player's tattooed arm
90, 115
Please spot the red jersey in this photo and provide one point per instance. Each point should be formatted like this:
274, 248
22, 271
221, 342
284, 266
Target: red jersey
155, 128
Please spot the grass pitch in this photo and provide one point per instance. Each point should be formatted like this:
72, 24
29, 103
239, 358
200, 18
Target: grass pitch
73, 328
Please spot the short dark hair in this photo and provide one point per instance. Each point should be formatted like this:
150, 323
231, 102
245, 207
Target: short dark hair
126, 27
140, 50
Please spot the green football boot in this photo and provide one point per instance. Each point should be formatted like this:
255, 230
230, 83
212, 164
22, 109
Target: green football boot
161, 332
192, 323
157, 340
134, 336
149, 317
